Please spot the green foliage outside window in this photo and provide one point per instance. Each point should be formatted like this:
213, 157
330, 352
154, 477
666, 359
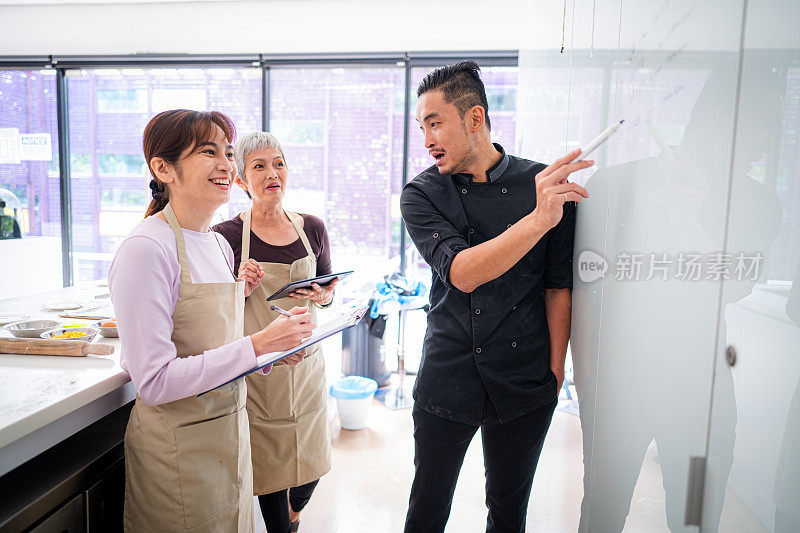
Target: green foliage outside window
116, 198
80, 164
299, 131
120, 165
122, 101
501, 99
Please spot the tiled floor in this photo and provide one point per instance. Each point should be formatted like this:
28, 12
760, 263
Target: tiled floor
367, 488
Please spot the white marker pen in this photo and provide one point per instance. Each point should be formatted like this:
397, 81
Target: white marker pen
592, 146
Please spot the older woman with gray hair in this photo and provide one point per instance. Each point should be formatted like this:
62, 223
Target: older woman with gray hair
289, 434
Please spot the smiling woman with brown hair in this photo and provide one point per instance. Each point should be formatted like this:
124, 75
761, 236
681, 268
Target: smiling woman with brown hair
180, 317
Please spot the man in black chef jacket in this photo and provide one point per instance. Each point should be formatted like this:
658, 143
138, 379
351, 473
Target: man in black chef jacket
497, 231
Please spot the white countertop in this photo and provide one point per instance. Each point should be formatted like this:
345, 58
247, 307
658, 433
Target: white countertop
37, 391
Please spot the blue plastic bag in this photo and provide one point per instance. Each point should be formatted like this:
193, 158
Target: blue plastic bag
384, 293
353, 388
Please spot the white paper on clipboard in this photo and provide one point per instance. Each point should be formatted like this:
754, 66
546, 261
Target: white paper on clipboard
322, 332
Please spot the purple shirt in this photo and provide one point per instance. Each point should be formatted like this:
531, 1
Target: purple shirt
144, 281
270, 253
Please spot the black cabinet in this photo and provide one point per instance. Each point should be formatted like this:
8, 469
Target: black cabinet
69, 518
76, 486
105, 501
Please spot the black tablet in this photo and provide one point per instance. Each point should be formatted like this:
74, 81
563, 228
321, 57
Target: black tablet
284, 291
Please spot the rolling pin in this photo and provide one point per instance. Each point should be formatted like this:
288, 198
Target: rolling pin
53, 347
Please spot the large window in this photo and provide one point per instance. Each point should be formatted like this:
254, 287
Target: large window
108, 110
342, 131
30, 212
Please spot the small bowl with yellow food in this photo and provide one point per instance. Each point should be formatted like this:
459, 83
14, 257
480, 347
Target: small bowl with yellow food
70, 334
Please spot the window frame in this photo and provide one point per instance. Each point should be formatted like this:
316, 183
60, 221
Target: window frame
63, 64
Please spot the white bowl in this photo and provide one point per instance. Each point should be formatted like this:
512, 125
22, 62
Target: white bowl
30, 329
61, 305
91, 333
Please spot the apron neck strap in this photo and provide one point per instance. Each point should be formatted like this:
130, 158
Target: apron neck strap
172, 220
246, 219
293, 218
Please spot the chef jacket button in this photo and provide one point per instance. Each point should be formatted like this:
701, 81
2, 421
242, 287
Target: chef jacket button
435, 235
477, 311
463, 191
513, 344
504, 190
471, 231
477, 350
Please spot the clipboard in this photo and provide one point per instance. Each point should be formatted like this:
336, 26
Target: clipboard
328, 329
284, 291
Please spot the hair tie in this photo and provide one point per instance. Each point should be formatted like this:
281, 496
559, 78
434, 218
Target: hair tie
154, 188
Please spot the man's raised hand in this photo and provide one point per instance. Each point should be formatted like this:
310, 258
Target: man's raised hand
553, 190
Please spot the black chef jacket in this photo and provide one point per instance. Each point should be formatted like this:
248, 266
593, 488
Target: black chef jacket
494, 340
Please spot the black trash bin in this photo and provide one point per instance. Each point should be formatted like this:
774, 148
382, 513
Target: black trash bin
361, 350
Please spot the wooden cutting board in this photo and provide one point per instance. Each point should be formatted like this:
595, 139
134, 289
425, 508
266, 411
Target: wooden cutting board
53, 347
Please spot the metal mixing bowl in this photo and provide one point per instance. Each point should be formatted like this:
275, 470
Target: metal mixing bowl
30, 329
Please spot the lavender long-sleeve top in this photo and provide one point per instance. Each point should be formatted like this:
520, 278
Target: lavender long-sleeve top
144, 281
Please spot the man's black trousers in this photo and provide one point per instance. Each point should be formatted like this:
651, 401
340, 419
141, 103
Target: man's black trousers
510, 454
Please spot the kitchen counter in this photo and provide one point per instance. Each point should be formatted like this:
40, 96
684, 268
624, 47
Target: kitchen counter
46, 399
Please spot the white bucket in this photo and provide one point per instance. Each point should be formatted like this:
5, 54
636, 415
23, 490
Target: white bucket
353, 413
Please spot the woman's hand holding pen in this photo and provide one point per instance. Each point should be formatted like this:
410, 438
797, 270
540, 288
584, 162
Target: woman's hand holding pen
319, 294
251, 272
553, 190
284, 332
292, 360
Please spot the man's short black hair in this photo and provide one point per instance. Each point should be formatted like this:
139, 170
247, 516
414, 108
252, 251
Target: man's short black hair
460, 84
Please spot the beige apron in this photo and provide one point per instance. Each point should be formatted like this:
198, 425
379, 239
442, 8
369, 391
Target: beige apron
287, 408
187, 462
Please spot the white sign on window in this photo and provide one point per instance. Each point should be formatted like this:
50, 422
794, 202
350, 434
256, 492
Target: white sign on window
35, 147
9, 146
